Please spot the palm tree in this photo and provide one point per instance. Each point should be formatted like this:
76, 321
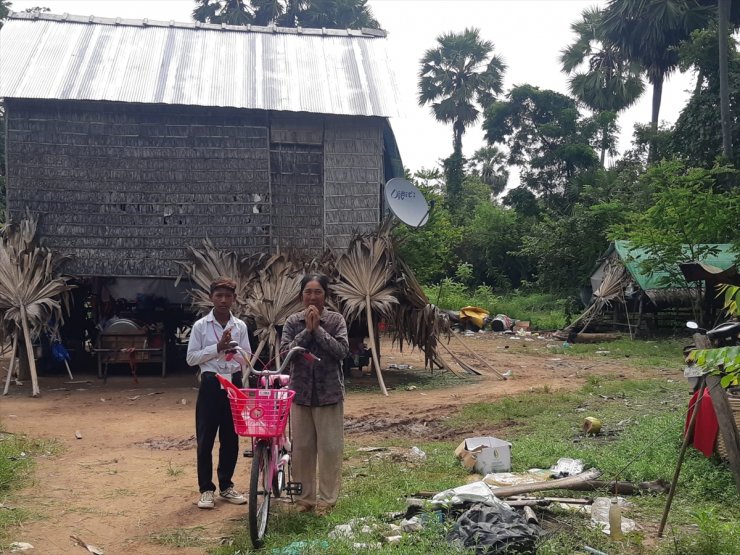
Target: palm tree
332, 14
611, 82
648, 32
337, 14
231, 12
458, 78
489, 163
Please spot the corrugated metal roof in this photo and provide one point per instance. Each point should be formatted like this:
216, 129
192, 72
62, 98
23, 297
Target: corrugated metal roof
266, 68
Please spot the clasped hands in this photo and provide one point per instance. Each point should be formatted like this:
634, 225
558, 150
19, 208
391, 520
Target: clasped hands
313, 317
224, 343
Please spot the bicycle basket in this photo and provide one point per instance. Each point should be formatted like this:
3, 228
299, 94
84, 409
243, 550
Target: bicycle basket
260, 412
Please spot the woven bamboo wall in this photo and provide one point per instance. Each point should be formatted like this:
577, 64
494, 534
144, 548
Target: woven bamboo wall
353, 176
125, 189
297, 182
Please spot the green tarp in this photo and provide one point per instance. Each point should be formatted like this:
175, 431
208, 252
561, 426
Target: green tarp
632, 258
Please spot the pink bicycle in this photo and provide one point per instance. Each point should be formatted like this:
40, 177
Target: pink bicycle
262, 414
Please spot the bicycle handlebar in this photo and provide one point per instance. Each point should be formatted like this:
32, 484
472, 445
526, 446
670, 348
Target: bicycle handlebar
251, 369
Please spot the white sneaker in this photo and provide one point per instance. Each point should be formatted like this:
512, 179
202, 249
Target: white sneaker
233, 496
206, 500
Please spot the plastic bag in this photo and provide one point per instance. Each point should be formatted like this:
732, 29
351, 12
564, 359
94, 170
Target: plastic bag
494, 529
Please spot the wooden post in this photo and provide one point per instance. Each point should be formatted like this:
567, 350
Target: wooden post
371, 332
727, 426
29, 349
687, 438
12, 362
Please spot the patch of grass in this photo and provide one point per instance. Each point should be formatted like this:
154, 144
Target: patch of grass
642, 425
401, 379
17, 453
663, 353
174, 471
182, 537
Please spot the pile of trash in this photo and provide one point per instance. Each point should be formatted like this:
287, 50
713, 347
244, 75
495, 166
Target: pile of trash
492, 515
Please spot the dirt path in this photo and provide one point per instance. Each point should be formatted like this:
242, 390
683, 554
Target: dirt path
132, 475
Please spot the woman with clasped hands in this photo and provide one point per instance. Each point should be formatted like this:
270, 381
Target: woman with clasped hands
317, 416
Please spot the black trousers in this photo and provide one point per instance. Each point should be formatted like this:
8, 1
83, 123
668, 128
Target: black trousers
213, 415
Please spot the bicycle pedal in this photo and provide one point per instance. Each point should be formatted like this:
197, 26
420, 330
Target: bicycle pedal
248, 453
294, 488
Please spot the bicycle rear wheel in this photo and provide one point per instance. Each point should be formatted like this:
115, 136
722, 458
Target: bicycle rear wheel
259, 493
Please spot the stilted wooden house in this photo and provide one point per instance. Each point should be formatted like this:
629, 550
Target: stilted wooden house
134, 140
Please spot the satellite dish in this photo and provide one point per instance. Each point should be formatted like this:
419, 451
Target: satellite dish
406, 202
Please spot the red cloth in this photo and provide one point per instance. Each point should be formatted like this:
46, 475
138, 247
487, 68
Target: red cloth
706, 427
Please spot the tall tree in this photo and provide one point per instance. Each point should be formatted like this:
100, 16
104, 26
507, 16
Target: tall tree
337, 14
547, 137
649, 32
610, 82
230, 12
4, 10
696, 138
332, 14
489, 163
458, 77
724, 87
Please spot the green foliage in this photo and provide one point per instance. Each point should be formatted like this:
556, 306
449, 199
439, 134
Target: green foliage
430, 250
724, 361
488, 238
696, 136
715, 537
454, 177
546, 136
685, 215
566, 246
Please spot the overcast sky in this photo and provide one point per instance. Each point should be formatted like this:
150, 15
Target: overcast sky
528, 34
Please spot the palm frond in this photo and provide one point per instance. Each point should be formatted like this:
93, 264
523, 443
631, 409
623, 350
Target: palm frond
33, 294
209, 263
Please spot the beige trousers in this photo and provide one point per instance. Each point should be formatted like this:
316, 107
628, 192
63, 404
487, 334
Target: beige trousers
318, 437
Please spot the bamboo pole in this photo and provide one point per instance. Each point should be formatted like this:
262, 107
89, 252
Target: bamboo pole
12, 362
686, 440
476, 355
373, 349
71, 377
29, 349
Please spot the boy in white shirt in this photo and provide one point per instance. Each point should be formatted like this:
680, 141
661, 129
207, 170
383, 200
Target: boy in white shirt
207, 347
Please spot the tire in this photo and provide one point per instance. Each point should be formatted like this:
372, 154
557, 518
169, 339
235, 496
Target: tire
259, 494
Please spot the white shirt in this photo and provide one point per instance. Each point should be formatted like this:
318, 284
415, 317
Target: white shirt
203, 345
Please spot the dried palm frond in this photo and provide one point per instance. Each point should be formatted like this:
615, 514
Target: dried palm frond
32, 293
365, 284
416, 321
209, 263
275, 296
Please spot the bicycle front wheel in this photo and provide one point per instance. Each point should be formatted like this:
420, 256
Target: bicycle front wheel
259, 493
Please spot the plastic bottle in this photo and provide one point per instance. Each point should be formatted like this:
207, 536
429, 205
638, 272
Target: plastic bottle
615, 520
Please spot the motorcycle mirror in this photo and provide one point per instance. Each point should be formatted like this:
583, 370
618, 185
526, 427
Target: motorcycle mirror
692, 325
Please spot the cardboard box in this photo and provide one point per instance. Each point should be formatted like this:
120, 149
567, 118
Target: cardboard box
485, 454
